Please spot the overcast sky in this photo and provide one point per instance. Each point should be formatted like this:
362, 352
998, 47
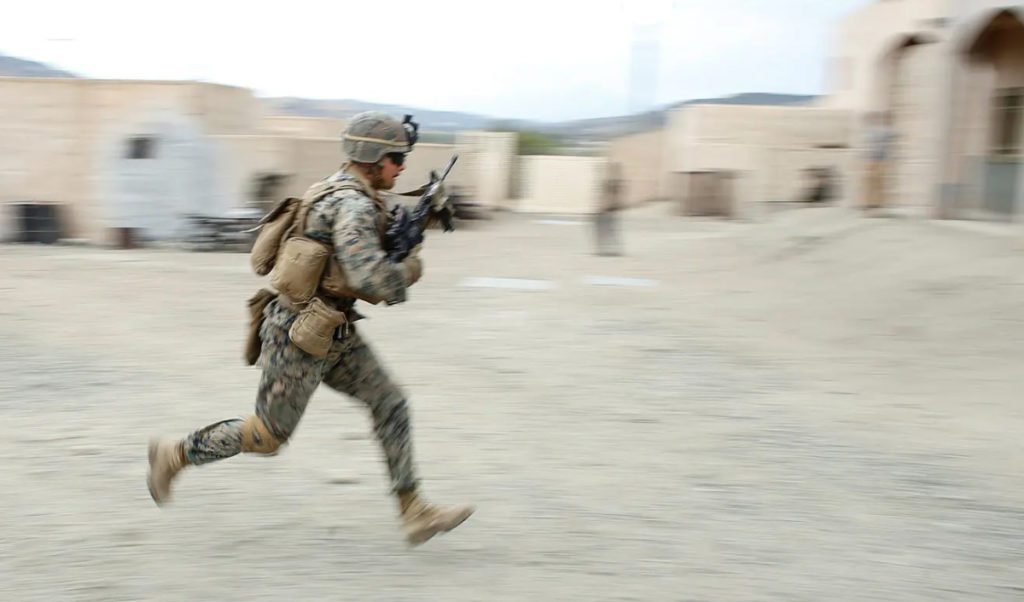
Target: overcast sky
548, 60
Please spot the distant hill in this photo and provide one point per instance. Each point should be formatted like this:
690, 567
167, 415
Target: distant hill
603, 128
580, 130
343, 109
15, 67
752, 98
444, 123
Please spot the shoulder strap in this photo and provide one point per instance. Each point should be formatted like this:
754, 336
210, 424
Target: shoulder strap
314, 194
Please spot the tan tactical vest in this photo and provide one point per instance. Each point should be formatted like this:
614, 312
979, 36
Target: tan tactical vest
301, 267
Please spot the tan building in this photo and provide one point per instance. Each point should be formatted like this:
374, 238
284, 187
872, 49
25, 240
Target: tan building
118, 154
485, 168
144, 155
643, 160
560, 184
982, 138
947, 74
741, 155
303, 127
765, 151
950, 76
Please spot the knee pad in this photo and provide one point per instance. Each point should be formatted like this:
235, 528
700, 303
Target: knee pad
258, 439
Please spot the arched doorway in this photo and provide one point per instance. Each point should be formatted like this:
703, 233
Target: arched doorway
907, 98
995, 115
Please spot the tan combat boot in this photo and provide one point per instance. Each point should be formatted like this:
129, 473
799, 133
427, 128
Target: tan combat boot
421, 520
166, 459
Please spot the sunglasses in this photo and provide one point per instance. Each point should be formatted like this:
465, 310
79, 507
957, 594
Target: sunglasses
396, 158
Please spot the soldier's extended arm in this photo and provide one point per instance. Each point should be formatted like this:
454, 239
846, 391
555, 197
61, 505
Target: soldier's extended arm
358, 250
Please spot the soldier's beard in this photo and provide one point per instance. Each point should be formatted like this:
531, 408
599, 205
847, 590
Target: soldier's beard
377, 179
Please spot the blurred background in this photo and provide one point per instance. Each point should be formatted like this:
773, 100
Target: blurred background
734, 309
722, 108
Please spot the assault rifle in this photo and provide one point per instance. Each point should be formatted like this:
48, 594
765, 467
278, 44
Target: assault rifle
406, 229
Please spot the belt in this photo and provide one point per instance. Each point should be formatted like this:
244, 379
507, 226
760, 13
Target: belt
350, 314
331, 302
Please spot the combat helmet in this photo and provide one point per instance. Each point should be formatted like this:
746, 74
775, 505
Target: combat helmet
372, 134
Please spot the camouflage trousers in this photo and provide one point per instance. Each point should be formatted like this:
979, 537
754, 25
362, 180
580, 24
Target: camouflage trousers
289, 378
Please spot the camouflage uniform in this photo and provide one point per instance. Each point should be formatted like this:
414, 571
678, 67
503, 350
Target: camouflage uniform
353, 221
348, 219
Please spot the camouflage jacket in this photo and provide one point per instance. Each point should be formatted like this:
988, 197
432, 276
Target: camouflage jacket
353, 222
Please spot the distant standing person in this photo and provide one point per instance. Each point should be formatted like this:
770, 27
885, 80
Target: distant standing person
880, 139
609, 242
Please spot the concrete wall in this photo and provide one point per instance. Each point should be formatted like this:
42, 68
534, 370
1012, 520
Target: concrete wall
304, 161
970, 89
8, 222
768, 174
910, 57
915, 97
155, 195
244, 157
864, 39
223, 109
482, 165
303, 127
768, 149
765, 125
41, 142
893, 56
786, 175
64, 141
560, 185
642, 157
485, 168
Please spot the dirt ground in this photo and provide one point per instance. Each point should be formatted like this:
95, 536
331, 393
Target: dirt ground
813, 407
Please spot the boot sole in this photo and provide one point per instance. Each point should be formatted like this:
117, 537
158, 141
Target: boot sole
434, 529
153, 444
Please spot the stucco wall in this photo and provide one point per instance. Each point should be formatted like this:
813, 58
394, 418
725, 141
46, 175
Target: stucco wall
644, 170
561, 185
61, 140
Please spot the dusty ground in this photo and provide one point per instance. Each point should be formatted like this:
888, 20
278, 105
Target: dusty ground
817, 407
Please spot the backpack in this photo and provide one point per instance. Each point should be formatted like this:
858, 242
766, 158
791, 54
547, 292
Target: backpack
285, 221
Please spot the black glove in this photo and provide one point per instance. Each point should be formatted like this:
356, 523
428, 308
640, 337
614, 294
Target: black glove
402, 235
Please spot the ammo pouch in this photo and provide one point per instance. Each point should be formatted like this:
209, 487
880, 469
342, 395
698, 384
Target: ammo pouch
299, 267
313, 330
253, 344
